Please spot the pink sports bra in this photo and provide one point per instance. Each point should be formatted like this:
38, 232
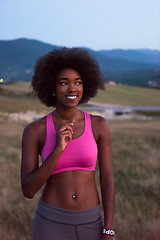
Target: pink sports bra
79, 154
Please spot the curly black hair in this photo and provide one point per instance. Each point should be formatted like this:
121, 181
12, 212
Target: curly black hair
49, 66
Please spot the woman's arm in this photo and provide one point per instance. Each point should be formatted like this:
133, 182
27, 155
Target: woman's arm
34, 177
106, 174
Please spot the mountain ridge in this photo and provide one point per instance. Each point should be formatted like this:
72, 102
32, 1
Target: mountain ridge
18, 58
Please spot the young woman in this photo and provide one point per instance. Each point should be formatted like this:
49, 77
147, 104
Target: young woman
69, 142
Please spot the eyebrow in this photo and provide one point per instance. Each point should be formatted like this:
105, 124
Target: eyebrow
67, 78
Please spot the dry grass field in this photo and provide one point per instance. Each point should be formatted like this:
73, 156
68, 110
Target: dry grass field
136, 156
137, 177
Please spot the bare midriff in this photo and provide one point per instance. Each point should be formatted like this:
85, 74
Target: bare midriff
74, 190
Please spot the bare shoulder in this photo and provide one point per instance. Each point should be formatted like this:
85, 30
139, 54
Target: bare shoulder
100, 126
34, 129
99, 121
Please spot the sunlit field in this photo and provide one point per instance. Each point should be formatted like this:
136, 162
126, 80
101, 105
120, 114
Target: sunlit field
136, 155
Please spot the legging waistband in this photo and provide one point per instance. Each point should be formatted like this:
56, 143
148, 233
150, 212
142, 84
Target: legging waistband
67, 216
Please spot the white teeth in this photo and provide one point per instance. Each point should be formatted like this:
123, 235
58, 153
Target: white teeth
71, 97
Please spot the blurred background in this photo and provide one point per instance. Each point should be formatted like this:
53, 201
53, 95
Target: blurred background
124, 37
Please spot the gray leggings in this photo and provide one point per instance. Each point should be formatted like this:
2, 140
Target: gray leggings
53, 223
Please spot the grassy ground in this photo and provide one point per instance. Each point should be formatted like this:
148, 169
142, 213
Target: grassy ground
120, 94
18, 97
129, 95
137, 177
136, 169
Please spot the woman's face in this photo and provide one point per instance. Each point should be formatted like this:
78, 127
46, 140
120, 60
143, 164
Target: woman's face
69, 88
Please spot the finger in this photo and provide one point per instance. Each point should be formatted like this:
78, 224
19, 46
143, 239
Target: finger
65, 128
65, 132
66, 136
70, 129
70, 124
70, 137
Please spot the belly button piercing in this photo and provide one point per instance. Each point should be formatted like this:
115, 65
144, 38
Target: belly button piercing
74, 196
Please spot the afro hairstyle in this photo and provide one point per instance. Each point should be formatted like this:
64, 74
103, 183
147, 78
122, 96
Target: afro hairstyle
49, 66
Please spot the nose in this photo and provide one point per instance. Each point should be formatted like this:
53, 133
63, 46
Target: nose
71, 87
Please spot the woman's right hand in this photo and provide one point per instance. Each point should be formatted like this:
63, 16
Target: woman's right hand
64, 135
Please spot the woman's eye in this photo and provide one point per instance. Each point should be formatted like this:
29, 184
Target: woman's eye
79, 82
63, 83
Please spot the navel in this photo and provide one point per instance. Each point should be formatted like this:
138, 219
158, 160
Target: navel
74, 196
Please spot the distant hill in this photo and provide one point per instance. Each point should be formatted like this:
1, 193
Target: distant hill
140, 56
134, 67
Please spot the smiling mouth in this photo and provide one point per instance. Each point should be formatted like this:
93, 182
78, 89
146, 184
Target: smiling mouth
72, 97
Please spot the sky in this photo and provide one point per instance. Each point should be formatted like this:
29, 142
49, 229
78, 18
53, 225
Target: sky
97, 24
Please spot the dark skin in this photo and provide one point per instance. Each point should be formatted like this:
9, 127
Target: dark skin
59, 188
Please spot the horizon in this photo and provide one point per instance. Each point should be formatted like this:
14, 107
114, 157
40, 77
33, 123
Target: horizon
127, 49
